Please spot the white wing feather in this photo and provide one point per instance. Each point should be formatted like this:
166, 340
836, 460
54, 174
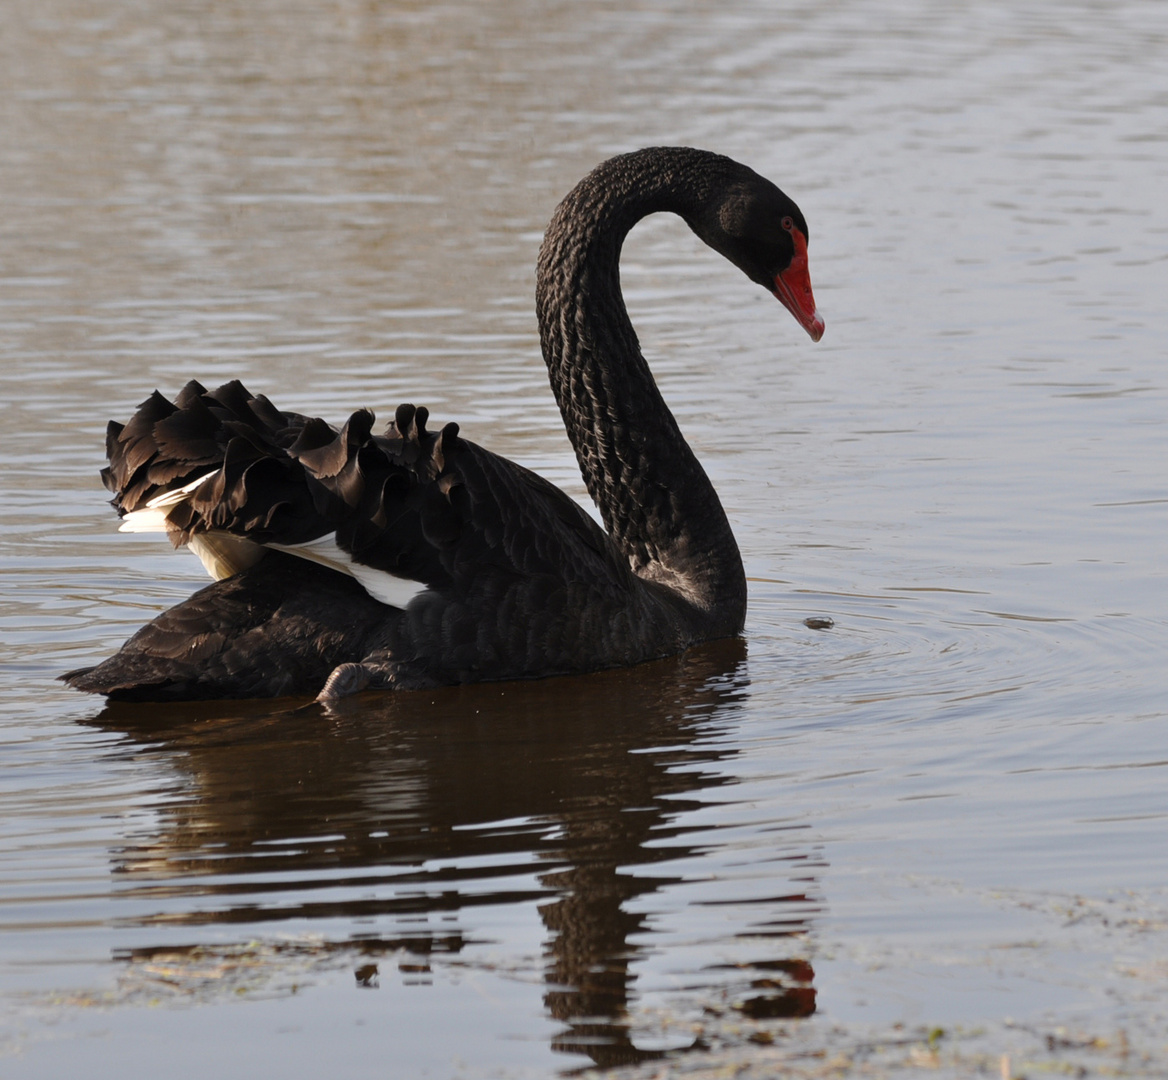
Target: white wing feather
224, 554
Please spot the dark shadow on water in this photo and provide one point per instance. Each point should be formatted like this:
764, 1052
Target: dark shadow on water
407, 809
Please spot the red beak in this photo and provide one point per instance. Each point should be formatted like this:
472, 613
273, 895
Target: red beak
793, 288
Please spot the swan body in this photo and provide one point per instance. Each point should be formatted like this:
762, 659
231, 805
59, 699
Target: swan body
413, 558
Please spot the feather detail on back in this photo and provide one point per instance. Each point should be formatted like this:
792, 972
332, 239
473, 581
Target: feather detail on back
402, 513
224, 553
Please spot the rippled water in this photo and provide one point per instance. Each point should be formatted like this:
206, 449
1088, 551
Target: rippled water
948, 810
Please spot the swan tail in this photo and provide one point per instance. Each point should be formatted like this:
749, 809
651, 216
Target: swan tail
278, 629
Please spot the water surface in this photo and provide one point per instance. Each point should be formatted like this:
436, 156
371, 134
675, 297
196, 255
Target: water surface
948, 810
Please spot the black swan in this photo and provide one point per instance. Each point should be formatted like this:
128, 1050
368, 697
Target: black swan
412, 559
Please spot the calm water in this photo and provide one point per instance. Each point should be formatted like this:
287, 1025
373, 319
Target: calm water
948, 810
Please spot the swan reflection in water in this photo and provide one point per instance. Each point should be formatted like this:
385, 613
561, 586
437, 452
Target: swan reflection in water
413, 810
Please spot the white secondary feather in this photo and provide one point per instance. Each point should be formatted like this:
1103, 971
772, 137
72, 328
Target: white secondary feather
389, 589
152, 516
224, 554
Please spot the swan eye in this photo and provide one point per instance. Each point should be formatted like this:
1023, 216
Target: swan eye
788, 223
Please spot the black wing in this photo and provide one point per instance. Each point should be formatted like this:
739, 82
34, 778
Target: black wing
425, 506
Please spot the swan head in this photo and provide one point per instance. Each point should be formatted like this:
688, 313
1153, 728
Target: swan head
762, 232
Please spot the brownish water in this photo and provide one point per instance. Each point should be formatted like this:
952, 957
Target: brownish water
948, 810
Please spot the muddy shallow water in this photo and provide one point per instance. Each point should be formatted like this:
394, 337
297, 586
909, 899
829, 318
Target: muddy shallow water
945, 813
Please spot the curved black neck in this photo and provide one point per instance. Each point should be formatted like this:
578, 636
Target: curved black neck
656, 501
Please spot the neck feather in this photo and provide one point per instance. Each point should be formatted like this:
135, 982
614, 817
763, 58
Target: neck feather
656, 501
